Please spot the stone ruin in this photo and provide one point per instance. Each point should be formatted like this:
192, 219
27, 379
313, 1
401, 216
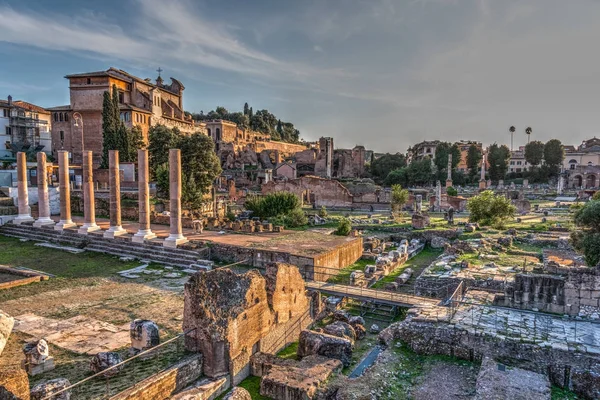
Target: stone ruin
420, 219
235, 316
144, 335
105, 360
48, 388
37, 357
6, 324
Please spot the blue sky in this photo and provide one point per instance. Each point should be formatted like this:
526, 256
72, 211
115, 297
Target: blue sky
380, 73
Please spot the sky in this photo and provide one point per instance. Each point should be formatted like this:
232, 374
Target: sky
380, 73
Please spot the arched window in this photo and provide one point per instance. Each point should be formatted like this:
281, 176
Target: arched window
55, 117
590, 164
66, 117
60, 116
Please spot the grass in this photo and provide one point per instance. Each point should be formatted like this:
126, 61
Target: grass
290, 352
63, 264
344, 275
252, 385
562, 394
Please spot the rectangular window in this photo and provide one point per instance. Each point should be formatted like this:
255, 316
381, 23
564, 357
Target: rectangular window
121, 97
62, 136
5, 113
8, 131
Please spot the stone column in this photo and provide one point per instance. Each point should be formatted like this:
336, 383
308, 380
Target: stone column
482, 182
89, 203
176, 233
449, 178
42, 187
65, 192
23, 199
144, 232
115, 228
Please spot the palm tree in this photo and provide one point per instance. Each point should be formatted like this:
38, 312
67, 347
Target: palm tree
512, 131
528, 132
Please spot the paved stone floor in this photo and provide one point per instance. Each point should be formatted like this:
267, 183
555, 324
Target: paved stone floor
543, 329
79, 334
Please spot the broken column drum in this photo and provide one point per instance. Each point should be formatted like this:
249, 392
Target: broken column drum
65, 192
42, 187
144, 335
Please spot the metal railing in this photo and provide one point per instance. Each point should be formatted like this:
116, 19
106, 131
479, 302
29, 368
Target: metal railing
283, 340
130, 371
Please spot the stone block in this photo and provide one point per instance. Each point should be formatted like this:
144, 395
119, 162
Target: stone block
14, 384
144, 335
45, 389
6, 324
105, 360
313, 343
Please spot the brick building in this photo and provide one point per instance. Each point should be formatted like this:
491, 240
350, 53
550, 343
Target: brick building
142, 103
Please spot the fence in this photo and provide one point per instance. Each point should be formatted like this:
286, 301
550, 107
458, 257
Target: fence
291, 332
454, 300
130, 371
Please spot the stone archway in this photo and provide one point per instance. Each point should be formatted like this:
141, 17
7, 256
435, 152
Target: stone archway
590, 181
577, 181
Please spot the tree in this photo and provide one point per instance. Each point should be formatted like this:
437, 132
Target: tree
554, 154
419, 172
587, 238
201, 164
273, 204
498, 157
397, 177
490, 209
344, 227
381, 167
295, 218
451, 191
534, 153
474, 158
528, 132
323, 212
246, 109
399, 198
110, 126
442, 151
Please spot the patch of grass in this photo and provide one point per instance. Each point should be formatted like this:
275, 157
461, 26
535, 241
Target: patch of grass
290, 352
63, 264
562, 394
252, 385
343, 277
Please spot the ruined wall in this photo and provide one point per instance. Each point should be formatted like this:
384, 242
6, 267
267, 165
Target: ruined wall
235, 316
338, 258
164, 384
577, 371
326, 192
285, 149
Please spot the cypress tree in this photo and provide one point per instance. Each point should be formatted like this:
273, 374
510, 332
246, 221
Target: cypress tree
108, 128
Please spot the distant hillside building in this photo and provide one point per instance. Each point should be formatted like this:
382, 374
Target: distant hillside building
23, 127
422, 150
142, 102
517, 162
464, 146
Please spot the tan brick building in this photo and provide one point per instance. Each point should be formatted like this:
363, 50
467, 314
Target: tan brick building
142, 103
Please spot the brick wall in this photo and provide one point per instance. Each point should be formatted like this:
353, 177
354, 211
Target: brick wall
164, 384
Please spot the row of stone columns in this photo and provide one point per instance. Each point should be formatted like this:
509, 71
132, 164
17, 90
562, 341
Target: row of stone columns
115, 229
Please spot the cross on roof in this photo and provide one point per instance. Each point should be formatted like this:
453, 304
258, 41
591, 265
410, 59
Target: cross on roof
159, 70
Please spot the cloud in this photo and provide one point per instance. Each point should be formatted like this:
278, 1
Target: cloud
318, 49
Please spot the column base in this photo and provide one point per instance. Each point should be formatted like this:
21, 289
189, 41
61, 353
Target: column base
43, 221
64, 224
87, 228
448, 183
482, 185
22, 218
142, 235
114, 231
174, 240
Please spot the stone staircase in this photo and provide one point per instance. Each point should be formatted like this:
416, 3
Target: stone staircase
122, 246
7, 206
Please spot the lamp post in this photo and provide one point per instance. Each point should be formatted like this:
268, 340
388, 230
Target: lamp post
78, 118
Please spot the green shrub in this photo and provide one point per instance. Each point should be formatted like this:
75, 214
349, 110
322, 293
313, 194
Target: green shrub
451, 191
344, 227
490, 209
272, 205
230, 216
323, 212
295, 218
587, 238
596, 195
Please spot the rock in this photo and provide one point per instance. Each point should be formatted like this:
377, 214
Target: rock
511, 232
505, 241
438, 242
469, 228
361, 332
45, 389
14, 383
6, 324
36, 352
238, 393
375, 329
144, 334
104, 360
356, 320
341, 315
341, 329
325, 345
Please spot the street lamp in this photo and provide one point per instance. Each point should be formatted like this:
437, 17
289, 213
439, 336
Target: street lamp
78, 118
